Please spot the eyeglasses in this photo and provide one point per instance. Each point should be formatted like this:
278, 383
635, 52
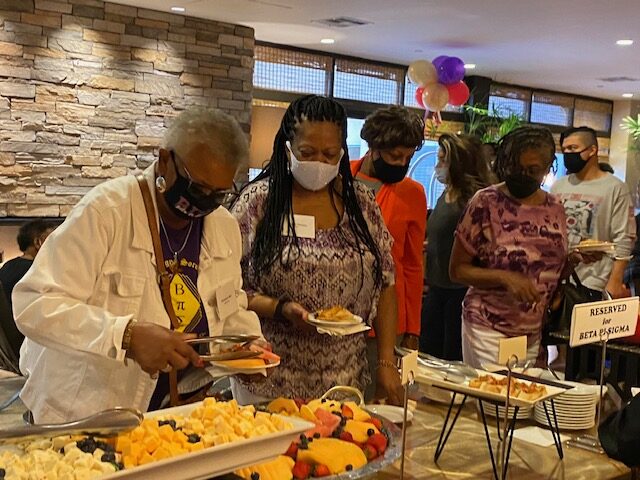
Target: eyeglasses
220, 196
536, 172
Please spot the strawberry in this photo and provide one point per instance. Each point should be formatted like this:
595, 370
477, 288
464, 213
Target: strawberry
301, 470
299, 401
370, 452
292, 451
347, 437
376, 422
321, 471
347, 412
378, 441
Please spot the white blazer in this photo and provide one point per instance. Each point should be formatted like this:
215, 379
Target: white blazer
93, 274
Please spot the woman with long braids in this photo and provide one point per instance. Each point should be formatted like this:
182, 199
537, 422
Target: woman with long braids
510, 249
312, 239
463, 168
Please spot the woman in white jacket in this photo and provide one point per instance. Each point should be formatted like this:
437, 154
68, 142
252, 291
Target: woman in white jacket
97, 333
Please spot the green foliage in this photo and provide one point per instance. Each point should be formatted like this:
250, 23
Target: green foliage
492, 125
632, 126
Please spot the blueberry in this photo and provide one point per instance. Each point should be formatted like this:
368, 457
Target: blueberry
255, 476
87, 445
310, 439
193, 438
316, 435
120, 465
343, 422
303, 446
349, 467
302, 437
108, 457
105, 447
168, 422
370, 432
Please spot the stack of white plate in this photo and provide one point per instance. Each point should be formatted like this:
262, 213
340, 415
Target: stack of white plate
575, 409
524, 413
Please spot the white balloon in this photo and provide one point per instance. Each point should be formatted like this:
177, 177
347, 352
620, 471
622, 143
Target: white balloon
422, 72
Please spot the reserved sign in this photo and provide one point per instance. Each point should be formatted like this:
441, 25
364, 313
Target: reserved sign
598, 321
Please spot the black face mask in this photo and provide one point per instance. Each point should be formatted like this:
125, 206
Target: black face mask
389, 173
573, 161
521, 185
187, 204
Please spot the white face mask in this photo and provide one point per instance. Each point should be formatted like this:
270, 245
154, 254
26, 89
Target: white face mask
313, 175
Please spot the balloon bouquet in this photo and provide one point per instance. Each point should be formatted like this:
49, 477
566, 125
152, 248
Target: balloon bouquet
439, 83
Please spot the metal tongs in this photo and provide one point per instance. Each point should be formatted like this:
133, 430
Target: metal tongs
107, 423
218, 341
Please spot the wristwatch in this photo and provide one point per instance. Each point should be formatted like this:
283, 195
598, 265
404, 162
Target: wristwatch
277, 314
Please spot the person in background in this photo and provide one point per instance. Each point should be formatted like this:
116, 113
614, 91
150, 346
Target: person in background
510, 248
30, 238
98, 334
463, 169
393, 135
598, 206
314, 238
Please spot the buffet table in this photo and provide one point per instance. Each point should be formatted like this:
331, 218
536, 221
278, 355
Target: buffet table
465, 455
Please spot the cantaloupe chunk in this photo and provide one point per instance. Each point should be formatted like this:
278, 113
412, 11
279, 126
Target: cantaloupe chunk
359, 430
161, 453
358, 413
280, 405
145, 458
123, 444
335, 454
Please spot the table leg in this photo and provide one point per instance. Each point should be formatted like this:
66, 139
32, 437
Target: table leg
486, 434
555, 431
444, 434
512, 427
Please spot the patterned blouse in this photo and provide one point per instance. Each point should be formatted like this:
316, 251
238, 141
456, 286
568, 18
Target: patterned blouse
502, 233
328, 271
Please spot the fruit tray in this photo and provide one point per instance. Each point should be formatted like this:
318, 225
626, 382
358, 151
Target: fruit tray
217, 460
393, 452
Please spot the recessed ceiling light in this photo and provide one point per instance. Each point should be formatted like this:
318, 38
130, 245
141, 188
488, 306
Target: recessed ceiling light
469, 66
327, 41
624, 43
627, 95
178, 9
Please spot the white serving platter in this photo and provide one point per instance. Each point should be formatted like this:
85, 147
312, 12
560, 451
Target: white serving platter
424, 377
217, 460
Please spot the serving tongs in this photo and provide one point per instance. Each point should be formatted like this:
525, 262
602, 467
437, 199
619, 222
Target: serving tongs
220, 340
107, 423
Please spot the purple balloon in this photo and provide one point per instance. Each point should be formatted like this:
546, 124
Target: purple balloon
438, 61
450, 71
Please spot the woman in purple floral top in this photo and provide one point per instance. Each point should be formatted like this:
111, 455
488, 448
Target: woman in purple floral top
313, 238
511, 249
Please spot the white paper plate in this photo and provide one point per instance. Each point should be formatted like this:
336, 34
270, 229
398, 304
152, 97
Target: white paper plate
390, 412
327, 323
245, 370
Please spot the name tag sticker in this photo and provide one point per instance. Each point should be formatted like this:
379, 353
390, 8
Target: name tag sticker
226, 300
305, 226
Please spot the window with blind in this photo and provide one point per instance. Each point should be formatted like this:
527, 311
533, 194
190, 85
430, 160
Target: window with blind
507, 100
291, 71
552, 109
594, 114
367, 82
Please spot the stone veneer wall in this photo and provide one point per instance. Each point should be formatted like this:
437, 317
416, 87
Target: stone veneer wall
88, 88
